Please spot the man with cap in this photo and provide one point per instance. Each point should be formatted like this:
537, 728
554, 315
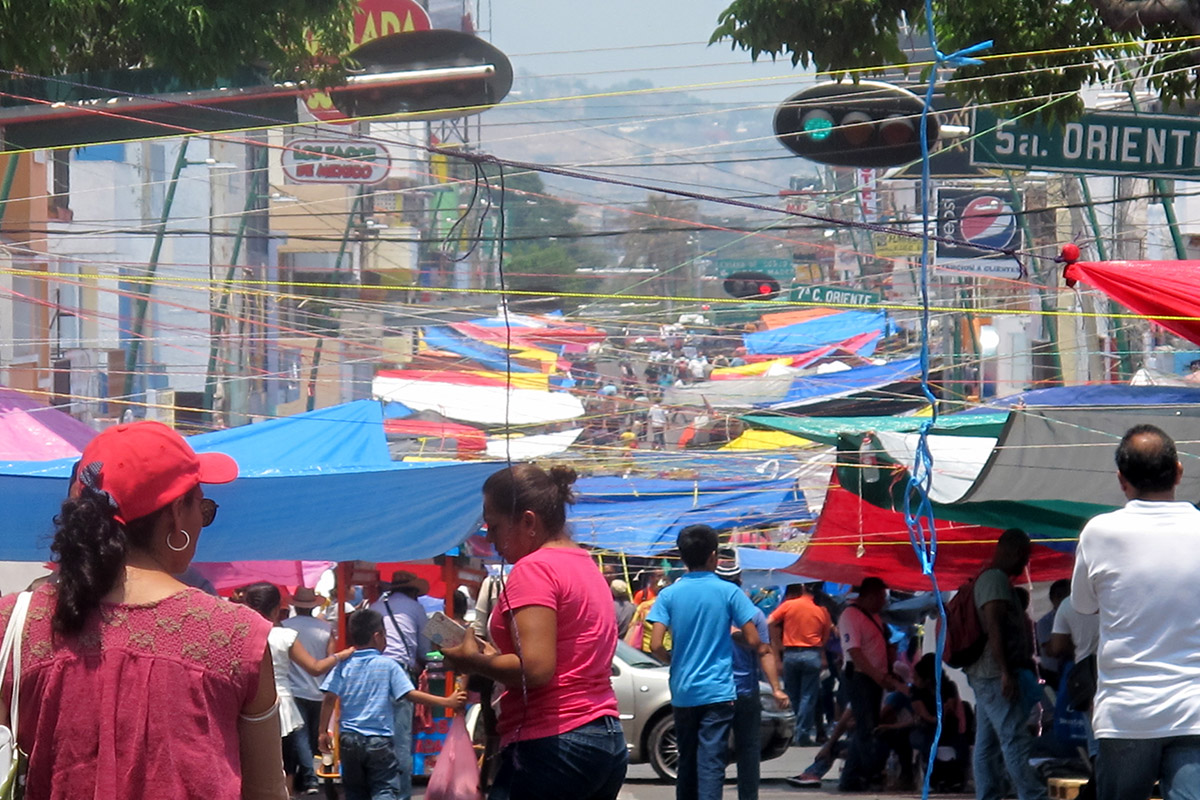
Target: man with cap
868, 676
315, 635
404, 625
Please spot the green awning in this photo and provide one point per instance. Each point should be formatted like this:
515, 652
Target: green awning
827, 429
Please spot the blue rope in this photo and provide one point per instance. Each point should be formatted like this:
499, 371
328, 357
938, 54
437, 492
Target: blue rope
918, 515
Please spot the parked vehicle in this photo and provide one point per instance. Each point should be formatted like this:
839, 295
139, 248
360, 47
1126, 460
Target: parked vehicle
644, 701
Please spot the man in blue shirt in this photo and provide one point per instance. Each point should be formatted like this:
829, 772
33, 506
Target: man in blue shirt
369, 686
747, 706
699, 609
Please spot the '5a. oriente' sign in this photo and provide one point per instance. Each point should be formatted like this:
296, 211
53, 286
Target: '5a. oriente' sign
1108, 143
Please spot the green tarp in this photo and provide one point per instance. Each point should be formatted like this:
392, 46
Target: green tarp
827, 429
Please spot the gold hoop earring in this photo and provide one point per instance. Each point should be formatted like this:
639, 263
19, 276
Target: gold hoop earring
187, 541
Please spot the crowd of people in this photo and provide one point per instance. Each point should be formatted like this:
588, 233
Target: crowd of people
134, 684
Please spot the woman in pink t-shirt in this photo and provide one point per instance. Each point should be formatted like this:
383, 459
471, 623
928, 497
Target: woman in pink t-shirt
556, 632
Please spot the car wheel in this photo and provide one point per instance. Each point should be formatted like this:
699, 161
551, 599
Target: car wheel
663, 749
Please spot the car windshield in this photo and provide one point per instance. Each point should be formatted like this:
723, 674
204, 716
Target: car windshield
636, 658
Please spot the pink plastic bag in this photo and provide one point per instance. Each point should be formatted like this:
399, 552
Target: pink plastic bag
456, 773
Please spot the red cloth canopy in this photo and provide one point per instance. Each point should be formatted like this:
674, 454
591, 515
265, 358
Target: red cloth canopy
847, 520
1154, 289
469, 439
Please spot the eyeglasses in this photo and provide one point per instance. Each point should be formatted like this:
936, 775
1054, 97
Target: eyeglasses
208, 511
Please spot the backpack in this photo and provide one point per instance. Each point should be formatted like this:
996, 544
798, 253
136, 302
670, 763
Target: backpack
965, 638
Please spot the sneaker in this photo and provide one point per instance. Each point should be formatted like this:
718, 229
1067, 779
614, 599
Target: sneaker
805, 781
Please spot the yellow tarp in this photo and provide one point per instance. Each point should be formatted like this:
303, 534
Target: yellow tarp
759, 368
765, 440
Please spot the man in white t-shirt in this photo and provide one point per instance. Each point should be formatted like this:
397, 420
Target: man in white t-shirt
868, 676
316, 636
1137, 567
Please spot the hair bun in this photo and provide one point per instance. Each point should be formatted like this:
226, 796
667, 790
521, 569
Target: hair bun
564, 478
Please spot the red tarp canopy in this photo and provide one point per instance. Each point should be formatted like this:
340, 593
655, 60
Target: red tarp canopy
846, 520
1153, 289
468, 438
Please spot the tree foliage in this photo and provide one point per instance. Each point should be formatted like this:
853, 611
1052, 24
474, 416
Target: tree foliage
195, 40
1049, 50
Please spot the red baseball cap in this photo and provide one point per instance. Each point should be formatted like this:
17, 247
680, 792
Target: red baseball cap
144, 466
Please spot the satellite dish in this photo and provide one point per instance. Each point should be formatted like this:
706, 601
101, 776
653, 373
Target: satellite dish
441, 74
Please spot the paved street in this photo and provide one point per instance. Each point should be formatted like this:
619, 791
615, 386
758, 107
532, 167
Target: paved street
643, 784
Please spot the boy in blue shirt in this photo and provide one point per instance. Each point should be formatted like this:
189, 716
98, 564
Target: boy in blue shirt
699, 609
369, 685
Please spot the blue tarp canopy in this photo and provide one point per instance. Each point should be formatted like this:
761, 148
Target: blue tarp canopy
805, 336
301, 495
490, 356
643, 517
839, 384
1096, 395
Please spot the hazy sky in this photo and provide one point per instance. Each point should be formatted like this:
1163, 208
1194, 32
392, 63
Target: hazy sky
663, 41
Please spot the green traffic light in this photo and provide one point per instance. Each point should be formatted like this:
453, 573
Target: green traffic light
818, 126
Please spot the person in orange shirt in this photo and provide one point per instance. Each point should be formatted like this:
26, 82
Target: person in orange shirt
799, 630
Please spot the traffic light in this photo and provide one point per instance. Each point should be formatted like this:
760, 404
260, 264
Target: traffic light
864, 124
752, 286
442, 74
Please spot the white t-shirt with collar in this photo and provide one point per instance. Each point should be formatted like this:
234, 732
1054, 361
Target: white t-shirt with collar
1138, 567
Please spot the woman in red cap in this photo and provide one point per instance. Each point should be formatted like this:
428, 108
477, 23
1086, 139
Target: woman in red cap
134, 685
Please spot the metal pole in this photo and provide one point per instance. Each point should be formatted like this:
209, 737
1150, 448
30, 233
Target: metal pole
1124, 356
337, 271
210, 381
1051, 321
143, 299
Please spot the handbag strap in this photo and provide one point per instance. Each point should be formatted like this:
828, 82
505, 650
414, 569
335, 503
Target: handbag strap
10, 650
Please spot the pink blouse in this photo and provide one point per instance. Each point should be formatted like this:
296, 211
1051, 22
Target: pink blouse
142, 704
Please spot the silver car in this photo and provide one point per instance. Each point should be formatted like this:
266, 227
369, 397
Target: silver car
644, 701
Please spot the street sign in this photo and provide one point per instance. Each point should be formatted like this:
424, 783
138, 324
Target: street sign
972, 218
1099, 143
781, 269
834, 295
340, 161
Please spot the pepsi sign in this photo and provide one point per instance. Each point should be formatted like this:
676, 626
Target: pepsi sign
979, 222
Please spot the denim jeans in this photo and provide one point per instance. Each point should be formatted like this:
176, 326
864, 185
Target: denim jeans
747, 743
802, 682
304, 743
1128, 768
586, 763
866, 755
369, 769
702, 733
1002, 740
402, 740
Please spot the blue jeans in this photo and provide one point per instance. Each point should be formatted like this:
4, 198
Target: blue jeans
866, 755
402, 740
1128, 768
802, 682
747, 743
369, 769
1002, 740
586, 763
702, 733
301, 742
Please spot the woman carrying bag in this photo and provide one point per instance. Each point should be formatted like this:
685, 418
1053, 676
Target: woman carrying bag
133, 685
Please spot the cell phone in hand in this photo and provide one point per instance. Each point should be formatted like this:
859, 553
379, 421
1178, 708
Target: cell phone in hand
443, 631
